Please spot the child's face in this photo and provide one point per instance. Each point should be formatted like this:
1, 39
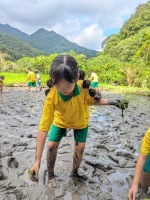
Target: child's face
64, 87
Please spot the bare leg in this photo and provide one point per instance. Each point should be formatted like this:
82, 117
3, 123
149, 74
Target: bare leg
145, 181
1, 88
77, 158
51, 157
28, 88
39, 87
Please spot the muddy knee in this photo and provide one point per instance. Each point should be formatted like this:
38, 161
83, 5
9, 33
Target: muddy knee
79, 151
52, 146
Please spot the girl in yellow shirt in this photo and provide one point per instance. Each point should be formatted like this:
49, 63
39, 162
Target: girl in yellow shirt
142, 170
66, 106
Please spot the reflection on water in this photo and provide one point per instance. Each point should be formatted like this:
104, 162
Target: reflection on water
100, 119
67, 189
53, 193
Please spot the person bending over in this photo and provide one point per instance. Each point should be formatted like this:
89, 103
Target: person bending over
66, 106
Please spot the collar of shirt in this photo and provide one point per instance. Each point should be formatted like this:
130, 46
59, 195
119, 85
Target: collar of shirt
67, 98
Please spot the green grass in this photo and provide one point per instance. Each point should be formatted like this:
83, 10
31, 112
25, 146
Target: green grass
124, 89
12, 78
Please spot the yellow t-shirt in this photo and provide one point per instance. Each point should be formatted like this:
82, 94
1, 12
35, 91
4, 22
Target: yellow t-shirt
31, 77
145, 147
80, 82
72, 113
94, 77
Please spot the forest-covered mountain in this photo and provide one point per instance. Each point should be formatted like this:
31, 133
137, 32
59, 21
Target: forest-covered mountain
125, 59
41, 41
16, 48
51, 42
133, 40
126, 55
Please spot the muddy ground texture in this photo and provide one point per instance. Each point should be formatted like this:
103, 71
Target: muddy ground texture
110, 154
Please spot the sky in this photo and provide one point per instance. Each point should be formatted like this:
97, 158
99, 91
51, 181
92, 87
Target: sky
84, 22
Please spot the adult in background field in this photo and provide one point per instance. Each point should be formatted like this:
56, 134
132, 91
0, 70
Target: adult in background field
38, 79
31, 79
94, 80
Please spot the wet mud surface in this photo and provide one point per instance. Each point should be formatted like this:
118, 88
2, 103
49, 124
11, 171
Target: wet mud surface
109, 160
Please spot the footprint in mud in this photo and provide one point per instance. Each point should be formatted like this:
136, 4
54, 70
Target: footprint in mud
2, 176
12, 163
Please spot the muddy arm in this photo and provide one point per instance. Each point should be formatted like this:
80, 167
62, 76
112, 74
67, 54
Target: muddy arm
40, 144
137, 176
33, 172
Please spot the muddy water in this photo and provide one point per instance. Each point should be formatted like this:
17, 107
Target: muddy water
109, 160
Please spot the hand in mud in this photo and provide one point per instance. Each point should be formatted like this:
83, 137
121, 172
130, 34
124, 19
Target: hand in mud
122, 104
33, 176
132, 192
33, 172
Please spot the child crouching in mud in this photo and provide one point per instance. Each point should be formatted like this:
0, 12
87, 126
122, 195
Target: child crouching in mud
66, 106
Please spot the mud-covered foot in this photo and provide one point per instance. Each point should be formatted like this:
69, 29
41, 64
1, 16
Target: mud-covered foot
76, 175
52, 182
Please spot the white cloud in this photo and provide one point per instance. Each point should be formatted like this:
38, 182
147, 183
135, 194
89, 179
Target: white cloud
90, 37
79, 21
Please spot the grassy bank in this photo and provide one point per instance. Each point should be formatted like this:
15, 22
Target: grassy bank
14, 78
125, 89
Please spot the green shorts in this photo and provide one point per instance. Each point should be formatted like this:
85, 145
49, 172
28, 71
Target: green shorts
94, 84
147, 164
56, 134
33, 84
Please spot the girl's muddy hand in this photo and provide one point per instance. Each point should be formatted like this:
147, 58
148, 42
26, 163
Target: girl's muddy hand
33, 176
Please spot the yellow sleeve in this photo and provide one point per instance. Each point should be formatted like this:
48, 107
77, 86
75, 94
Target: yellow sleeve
47, 115
145, 147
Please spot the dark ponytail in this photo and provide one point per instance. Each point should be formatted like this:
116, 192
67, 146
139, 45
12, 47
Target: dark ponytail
49, 84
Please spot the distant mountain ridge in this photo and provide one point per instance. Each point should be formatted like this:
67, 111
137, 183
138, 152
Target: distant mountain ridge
7, 29
17, 48
42, 41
